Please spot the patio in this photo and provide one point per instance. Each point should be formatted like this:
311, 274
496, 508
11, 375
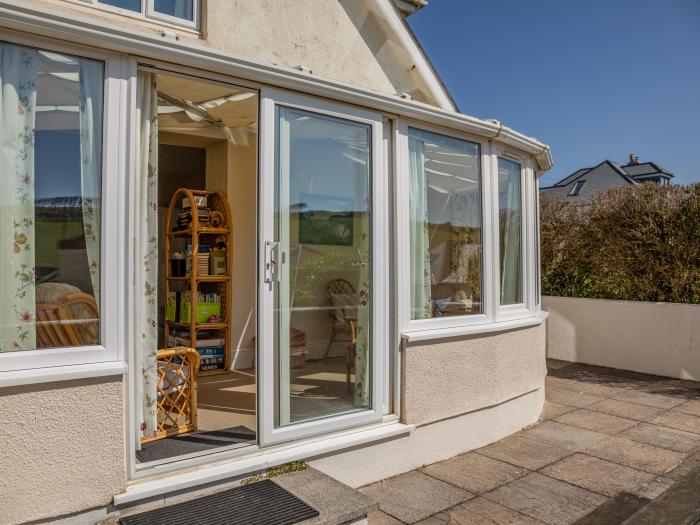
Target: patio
612, 447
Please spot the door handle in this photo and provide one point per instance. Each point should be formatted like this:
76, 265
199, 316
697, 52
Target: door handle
272, 261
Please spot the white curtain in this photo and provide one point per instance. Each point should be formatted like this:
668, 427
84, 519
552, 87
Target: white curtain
18, 75
421, 300
363, 335
91, 85
146, 202
511, 232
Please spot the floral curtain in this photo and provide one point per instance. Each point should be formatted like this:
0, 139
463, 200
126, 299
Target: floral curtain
91, 84
147, 253
18, 74
421, 300
362, 353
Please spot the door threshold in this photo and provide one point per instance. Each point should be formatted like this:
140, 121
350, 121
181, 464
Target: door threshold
259, 459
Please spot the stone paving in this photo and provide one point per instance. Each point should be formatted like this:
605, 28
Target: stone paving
611, 447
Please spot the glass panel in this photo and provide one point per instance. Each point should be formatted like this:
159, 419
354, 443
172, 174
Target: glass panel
131, 5
183, 9
510, 231
50, 199
445, 226
323, 299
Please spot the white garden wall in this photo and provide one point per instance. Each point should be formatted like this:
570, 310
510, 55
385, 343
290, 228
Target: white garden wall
653, 338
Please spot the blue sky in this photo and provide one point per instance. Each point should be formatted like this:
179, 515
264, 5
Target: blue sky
594, 79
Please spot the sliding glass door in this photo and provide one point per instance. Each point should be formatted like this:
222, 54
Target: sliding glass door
322, 267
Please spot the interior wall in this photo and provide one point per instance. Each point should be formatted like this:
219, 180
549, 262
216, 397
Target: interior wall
232, 168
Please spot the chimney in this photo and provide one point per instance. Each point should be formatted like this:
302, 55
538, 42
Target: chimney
634, 159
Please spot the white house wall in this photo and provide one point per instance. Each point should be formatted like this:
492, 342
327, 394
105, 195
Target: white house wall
340, 40
61, 448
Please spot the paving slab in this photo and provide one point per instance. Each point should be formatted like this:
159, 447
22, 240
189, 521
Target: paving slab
523, 452
624, 451
377, 517
546, 499
552, 410
690, 407
414, 496
679, 421
635, 411
663, 437
598, 475
652, 400
474, 472
657, 487
480, 511
571, 397
689, 464
597, 421
679, 505
614, 511
565, 436
335, 501
578, 386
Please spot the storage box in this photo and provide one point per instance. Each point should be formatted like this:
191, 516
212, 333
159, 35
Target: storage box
204, 312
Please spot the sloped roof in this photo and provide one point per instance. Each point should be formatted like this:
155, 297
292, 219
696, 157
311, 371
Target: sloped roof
562, 187
645, 169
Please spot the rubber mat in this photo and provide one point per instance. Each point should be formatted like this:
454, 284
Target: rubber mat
261, 503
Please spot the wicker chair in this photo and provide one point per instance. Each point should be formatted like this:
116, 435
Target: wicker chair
340, 326
65, 316
176, 392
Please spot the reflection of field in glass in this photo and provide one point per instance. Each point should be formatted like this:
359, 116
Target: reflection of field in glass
321, 227
49, 233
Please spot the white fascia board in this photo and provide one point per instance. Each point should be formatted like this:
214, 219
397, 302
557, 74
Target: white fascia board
16, 15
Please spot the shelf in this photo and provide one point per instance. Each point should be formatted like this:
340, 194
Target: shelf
200, 326
201, 231
201, 278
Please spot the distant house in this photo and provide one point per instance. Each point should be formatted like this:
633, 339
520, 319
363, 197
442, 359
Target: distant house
583, 183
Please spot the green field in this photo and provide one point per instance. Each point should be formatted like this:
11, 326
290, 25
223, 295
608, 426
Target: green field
48, 234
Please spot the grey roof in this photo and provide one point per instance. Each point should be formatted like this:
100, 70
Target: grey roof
646, 169
604, 176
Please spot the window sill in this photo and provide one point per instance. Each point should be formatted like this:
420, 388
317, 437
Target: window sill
61, 373
444, 333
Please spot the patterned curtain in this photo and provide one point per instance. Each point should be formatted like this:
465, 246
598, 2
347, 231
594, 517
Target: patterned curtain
147, 252
362, 354
421, 300
511, 231
18, 74
91, 84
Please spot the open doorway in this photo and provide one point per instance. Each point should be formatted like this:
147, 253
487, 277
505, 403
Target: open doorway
202, 399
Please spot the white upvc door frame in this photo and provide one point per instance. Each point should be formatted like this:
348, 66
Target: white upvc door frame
268, 434
403, 235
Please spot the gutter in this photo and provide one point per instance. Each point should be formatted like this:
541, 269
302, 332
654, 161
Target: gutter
89, 32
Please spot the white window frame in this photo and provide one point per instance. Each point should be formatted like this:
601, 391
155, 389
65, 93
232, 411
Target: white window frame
149, 12
404, 241
268, 434
48, 364
526, 307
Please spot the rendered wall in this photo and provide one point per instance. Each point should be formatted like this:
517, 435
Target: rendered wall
341, 40
461, 394
61, 448
653, 338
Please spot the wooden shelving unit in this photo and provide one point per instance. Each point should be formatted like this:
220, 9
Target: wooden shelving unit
200, 234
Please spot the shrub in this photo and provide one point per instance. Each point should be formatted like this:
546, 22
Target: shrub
639, 243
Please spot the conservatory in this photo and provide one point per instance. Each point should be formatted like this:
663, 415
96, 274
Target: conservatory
214, 264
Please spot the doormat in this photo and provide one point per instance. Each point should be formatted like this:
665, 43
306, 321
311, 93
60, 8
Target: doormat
261, 503
194, 442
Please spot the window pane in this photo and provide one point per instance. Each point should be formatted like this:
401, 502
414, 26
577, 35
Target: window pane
131, 5
178, 8
445, 226
50, 199
323, 227
510, 231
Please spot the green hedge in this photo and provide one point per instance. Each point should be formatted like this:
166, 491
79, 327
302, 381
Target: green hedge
639, 243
